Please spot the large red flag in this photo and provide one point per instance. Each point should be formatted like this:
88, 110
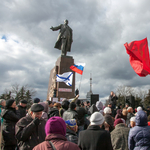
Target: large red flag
139, 56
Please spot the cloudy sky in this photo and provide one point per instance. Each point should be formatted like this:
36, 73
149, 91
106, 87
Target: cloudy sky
100, 29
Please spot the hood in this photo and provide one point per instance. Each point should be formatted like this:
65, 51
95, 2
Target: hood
93, 109
141, 118
99, 105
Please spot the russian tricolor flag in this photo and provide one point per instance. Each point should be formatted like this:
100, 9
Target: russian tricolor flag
78, 68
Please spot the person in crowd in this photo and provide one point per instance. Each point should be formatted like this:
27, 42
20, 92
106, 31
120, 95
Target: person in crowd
119, 114
119, 136
71, 130
113, 98
110, 105
127, 105
10, 115
148, 110
132, 122
124, 113
95, 138
99, 106
87, 105
81, 113
82, 105
22, 108
2, 103
55, 130
65, 106
119, 106
109, 120
45, 111
50, 105
129, 115
139, 136
55, 110
92, 110
71, 113
30, 129
139, 108
36, 100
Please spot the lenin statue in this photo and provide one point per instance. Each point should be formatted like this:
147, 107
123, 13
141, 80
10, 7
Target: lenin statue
64, 39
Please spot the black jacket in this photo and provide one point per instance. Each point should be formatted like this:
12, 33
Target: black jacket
81, 113
94, 138
28, 134
22, 111
71, 136
10, 117
53, 112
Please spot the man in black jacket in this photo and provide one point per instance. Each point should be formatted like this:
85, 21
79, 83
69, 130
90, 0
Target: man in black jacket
95, 138
22, 108
30, 129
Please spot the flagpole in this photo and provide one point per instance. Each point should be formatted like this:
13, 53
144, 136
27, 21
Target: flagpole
80, 82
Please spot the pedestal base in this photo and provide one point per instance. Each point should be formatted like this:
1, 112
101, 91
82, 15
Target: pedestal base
63, 64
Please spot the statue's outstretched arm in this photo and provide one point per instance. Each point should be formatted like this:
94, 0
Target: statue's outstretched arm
55, 28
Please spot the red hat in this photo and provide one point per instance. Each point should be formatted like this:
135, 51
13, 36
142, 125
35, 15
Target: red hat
117, 121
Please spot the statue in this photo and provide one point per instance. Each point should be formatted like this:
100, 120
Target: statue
64, 39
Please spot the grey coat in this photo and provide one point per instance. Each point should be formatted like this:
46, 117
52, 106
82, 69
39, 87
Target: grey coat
119, 137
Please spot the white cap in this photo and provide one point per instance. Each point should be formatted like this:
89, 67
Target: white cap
107, 110
139, 108
96, 118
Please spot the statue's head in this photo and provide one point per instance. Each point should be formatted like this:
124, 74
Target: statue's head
66, 21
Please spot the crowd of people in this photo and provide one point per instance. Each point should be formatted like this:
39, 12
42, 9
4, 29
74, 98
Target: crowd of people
73, 125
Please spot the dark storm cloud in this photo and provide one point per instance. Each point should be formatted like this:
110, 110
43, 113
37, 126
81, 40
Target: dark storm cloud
100, 28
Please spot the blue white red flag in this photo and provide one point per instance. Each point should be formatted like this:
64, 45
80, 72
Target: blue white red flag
78, 68
65, 77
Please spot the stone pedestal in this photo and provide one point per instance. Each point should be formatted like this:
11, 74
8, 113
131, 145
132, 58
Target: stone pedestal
62, 65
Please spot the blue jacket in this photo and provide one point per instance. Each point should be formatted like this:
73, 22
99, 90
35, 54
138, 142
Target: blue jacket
139, 136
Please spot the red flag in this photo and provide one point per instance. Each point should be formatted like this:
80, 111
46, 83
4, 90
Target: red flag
139, 56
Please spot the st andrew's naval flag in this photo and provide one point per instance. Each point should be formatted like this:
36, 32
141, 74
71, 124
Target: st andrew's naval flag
78, 68
65, 77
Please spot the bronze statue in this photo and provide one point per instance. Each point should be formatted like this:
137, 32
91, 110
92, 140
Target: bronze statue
64, 39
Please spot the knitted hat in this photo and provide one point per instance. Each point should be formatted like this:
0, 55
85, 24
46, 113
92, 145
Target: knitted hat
36, 100
109, 120
9, 103
55, 125
139, 108
71, 122
132, 119
117, 121
96, 118
37, 108
107, 110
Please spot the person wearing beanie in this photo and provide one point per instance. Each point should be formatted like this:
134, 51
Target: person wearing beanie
95, 138
99, 106
71, 129
132, 122
119, 136
119, 114
30, 129
10, 115
139, 136
22, 108
107, 110
55, 130
139, 108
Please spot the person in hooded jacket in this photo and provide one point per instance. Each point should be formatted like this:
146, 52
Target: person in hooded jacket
139, 136
22, 108
10, 117
99, 106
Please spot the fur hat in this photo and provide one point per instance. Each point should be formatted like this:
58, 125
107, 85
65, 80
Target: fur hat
96, 118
